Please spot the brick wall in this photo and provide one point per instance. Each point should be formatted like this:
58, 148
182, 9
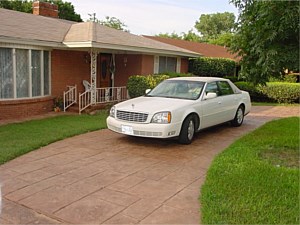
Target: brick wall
184, 65
68, 68
45, 9
15, 109
135, 65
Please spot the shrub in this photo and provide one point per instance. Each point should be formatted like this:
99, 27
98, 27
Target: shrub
288, 78
282, 92
273, 92
254, 91
138, 84
212, 67
174, 74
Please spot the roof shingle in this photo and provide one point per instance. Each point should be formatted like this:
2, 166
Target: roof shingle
207, 50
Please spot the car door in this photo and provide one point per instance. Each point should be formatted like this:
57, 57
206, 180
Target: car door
228, 101
211, 108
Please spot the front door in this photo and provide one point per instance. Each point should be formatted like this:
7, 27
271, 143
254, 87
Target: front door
104, 74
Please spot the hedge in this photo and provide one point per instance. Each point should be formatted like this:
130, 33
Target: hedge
212, 67
273, 92
138, 84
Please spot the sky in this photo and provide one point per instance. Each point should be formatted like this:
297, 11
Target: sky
151, 17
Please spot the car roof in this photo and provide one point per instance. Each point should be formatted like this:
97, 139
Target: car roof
195, 78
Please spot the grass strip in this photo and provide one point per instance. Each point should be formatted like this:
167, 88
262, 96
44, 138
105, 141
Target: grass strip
246, 185
20, 138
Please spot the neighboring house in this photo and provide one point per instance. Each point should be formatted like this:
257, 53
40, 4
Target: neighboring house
205, 49
43, 57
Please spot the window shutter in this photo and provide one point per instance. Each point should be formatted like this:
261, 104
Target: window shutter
178, 66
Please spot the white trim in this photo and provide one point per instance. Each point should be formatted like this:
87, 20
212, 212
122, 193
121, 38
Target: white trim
42, 72
178, 65
30, 73
36, 43
156, 64
49, 65
23, 46
130, 48
14, 61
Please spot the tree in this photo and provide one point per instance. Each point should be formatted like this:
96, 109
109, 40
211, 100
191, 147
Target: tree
173, 35
267, 38
65, 9
111, 22
191, 36
212, 25
223, 40
21, 6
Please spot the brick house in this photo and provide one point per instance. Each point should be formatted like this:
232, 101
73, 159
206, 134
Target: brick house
43, 58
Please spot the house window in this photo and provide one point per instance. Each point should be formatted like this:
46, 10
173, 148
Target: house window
167, 64
6, 73
24, 73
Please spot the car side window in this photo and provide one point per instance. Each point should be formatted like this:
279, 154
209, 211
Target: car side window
212, 88
225, 88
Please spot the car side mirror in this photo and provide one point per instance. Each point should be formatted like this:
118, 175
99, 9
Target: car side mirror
147, 91
210, 95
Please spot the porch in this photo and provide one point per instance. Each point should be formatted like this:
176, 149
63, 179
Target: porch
101, 89
104, 95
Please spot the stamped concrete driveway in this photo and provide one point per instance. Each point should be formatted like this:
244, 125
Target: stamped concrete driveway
106, 178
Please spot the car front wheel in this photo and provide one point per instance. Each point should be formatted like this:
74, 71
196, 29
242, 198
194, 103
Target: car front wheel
239, 117
187, 130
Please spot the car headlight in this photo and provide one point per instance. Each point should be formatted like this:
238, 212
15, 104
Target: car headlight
112, 111
161, 117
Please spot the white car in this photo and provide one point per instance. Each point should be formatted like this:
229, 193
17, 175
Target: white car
179, 107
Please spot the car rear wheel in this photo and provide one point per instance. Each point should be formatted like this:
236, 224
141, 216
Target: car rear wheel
187, 130
239, 117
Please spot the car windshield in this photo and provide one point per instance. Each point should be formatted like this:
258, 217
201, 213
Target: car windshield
181, 89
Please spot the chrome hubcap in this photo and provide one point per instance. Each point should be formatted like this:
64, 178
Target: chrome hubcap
240, 115
191, 130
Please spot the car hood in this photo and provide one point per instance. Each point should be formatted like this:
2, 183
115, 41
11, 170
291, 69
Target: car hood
152, 104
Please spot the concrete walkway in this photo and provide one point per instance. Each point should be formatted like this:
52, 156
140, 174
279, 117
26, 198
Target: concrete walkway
106, 178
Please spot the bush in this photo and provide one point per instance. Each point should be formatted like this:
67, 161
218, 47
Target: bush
282, 92
212, 67
234, 78
174, 74
273, 92
288, 78
138, 84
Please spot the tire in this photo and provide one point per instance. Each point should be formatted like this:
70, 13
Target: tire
239, 117
187, 130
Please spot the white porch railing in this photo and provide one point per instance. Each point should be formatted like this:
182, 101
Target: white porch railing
70, 97
103, 95
84, 100
111, 94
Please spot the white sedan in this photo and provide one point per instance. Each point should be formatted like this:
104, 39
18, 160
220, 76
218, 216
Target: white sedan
179, 107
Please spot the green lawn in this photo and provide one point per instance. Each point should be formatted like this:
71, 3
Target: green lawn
256, 180
20, 138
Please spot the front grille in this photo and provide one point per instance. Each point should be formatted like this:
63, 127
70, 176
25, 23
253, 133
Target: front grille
132, 116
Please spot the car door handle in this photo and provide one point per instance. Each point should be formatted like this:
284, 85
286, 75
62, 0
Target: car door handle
219, 103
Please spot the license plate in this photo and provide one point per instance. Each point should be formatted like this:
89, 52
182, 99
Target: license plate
127, 130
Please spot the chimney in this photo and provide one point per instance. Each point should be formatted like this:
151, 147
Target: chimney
45, 9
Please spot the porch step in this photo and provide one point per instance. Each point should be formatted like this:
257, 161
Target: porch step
90, 110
